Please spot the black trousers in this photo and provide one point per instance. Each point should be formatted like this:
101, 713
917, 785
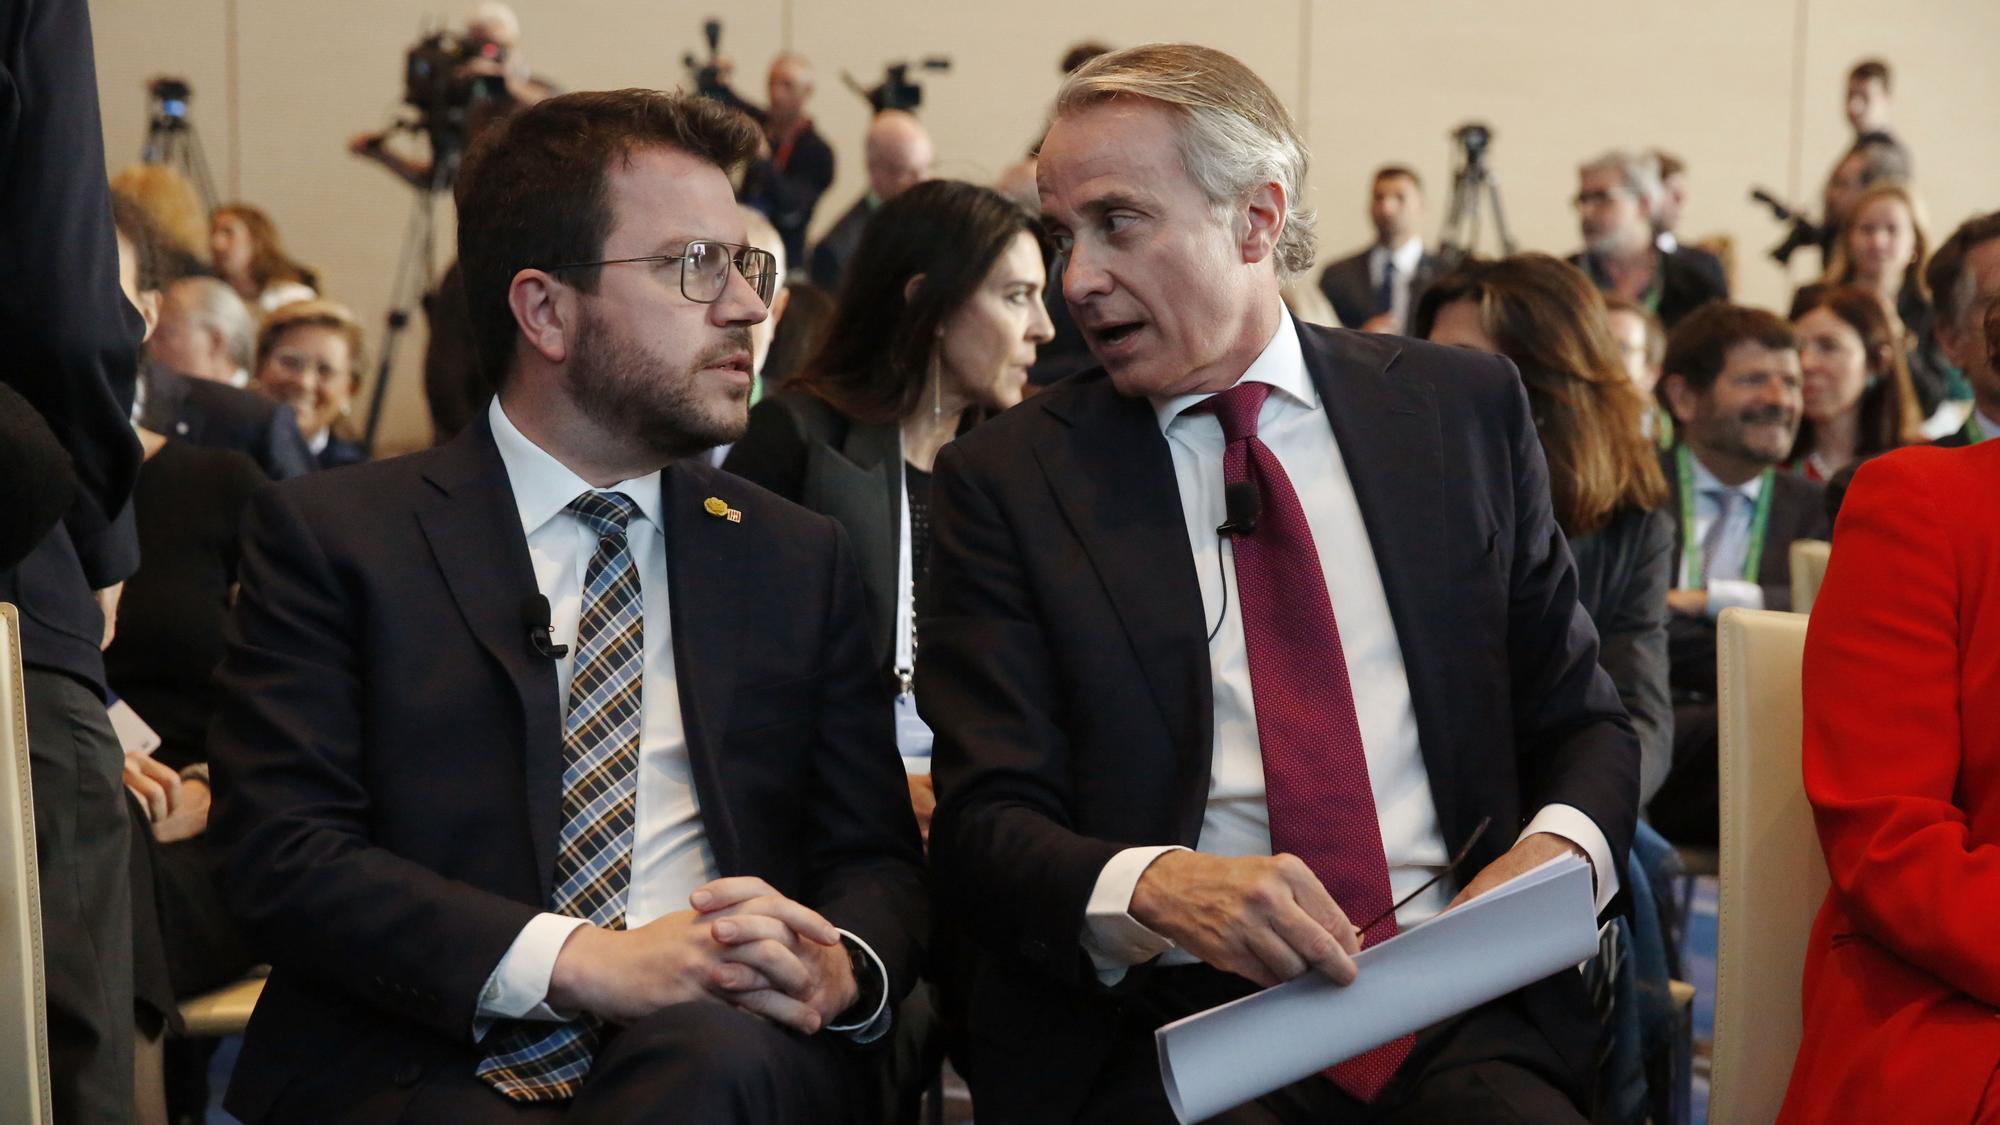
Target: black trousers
699, 1062
1490, 1065
1688, 809
83, 852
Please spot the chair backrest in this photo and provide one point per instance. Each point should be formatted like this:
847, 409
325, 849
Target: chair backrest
1773, 875
1808, 571
24, 1032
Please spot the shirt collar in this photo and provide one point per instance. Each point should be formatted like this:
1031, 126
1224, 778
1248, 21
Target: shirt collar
1706, 482
544, 486
1988, 427
1406, 256
1282, 364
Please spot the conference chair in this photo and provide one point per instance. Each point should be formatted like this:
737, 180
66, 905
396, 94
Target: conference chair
1808, 571
24, 1032
1773, 876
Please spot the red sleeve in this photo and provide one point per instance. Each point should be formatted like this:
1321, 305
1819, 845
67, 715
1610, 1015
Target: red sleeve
1882, 728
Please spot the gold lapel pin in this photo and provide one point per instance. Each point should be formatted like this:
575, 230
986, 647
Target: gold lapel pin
714, 506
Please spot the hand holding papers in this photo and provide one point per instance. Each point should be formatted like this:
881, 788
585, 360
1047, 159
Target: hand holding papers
1521, 931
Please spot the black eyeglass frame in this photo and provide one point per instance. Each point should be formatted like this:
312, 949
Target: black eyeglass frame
763, 282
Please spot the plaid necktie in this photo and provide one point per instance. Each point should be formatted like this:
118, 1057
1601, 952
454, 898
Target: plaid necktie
533, 1061
1316, 787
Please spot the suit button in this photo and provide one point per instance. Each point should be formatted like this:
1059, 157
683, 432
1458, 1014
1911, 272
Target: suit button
408, 1073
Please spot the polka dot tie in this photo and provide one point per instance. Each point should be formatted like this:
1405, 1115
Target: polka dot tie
1322, 807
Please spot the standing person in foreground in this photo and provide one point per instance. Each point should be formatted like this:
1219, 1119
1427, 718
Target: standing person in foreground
552, 771
1089, 736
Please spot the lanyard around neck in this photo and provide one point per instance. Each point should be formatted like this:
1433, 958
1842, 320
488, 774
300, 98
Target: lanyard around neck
1760, 519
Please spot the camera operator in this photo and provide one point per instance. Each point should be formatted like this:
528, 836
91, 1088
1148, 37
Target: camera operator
794, 166
497, 81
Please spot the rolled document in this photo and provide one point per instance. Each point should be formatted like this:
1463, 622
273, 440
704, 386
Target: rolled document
1532, 926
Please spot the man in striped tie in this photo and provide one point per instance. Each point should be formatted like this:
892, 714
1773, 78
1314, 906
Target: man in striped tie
553, 774
1232, 644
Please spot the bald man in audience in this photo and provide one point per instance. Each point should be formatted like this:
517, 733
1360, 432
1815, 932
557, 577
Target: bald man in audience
795, 165
899, 157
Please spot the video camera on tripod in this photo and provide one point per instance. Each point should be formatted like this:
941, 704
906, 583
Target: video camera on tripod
171, 138
1473, 188
706, 75
897, 90
438, 84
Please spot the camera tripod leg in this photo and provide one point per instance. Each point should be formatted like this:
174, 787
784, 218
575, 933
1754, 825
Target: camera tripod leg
413, 280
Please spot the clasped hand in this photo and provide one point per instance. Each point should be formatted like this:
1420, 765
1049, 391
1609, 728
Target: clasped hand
741, 943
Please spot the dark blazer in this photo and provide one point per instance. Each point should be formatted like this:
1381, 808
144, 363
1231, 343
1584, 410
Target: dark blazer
1623, 571
837, 246
1684, 285
388, 762
1346, 284
800, 447
1798, 511
1067, 673
218, 416
339, 452
1704, 263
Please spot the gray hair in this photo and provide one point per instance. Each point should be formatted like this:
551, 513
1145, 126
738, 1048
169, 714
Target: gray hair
1234, 136
1638, 171
212, 304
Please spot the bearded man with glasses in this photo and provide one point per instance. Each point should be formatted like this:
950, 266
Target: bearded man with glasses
553, 771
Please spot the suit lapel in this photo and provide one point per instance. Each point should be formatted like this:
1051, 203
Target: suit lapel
1387, 431
1113, 478
474, 531
705, 591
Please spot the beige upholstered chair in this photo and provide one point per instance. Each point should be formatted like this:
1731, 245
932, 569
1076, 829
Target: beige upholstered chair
1773, 876
1808, 571
24, 1033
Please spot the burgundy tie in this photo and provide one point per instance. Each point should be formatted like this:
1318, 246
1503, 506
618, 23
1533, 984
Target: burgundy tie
1322, 807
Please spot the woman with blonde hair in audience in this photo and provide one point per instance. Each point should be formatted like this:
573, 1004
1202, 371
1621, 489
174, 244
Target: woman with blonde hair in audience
1881, 247
1901, 695
1604, 473
309, 357
1858, 398
243, 243
179, 218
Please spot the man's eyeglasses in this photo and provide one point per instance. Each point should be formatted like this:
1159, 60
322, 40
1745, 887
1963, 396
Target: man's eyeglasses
705, 266
1464, 850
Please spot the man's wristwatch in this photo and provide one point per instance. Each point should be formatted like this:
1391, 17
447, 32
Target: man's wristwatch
872, 988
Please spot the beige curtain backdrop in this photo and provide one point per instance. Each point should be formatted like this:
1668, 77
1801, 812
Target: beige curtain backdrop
1748, 92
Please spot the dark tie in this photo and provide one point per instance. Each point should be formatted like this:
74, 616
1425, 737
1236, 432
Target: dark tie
533, 1061
1316, 788
1385, 293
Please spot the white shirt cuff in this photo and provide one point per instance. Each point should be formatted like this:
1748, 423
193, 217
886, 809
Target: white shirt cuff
519, 986
1573, 825
1113, 938
877, 1023
1727, 592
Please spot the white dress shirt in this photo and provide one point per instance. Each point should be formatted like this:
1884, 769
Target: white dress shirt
1236, 821
671, 855
1726, 583
1408, 257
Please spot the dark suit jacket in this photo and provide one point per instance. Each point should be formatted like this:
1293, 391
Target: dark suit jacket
831, 255
218, 416
1346, 284
1066, 672
388, 760
1706, 264
800, 447
339, 453
1798, 511
1623, 571
1684, 285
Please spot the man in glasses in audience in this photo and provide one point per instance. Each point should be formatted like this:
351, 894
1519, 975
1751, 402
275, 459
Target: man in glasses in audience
1231, 645
1617, 197
554, 775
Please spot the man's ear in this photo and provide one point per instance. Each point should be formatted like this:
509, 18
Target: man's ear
1682, 399
148, 305
545, 313
1264, 215
779, 304
911, 286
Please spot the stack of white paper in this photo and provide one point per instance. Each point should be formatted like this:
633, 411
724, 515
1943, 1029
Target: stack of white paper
1527, 928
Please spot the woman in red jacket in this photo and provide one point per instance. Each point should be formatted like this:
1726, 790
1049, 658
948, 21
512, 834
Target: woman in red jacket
1902, 764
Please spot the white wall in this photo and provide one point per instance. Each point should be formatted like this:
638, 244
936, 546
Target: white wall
1746, 91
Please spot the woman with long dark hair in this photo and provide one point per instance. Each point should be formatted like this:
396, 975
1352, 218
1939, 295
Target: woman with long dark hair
1858, 397
935, 327
1604, 474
